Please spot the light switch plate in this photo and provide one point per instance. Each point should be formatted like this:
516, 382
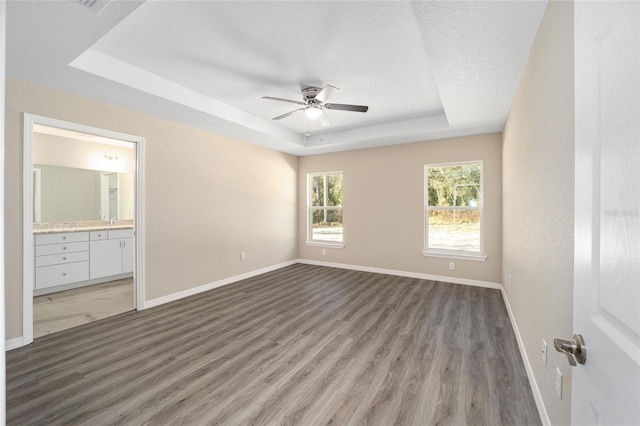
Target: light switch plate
544, 352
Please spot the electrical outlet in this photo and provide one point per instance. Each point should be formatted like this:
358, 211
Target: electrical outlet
544, 352
452, 266
558, 383
510, 280
242, 256
324, 252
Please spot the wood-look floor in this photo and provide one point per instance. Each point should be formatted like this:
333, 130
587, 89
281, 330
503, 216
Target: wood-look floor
59, 311
303, 345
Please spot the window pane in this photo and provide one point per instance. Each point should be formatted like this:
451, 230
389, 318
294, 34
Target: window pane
454, 185
334, 186
327, 225
317, 191
454, 230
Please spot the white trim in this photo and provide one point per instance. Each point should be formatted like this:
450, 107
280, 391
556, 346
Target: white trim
329, 245
451, 280
27, 230
537, 396
456, 255
27, 216
37, 194
206, 287
15, 343
3, 42
139, 228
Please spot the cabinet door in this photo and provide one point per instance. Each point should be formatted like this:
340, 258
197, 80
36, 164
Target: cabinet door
127, 255
105, 258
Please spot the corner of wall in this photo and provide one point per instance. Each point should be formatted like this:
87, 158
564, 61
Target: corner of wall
537, 208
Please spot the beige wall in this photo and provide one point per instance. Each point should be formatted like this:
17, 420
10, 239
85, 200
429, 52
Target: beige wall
60, 151
538, 182
207, 197
384, 205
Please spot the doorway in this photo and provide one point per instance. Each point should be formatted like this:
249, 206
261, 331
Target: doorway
83, 225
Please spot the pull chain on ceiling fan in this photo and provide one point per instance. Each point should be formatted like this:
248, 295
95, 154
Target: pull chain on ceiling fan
315, 102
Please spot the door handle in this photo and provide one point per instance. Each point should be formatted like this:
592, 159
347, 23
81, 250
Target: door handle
574, 349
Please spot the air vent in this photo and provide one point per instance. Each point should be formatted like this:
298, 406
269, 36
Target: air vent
94, 5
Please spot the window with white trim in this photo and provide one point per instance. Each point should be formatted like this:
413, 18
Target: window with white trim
453, 210
324, 194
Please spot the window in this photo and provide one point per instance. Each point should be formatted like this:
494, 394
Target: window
325, 208
453, 210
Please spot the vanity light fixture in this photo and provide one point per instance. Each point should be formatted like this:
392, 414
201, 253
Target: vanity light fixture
111, 155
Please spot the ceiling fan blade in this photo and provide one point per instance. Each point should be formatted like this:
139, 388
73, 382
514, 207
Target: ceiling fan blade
324, 120
288, 114
326, 93
344, 107
283, 100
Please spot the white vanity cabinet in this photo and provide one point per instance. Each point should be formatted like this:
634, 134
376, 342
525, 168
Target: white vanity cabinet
61, 259
111, 252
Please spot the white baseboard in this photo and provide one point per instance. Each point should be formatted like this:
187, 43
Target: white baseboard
18, 341
537, 396
407, 274
15, 343
210, 286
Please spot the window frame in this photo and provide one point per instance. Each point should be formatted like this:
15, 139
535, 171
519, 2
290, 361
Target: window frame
311, 208
453, 253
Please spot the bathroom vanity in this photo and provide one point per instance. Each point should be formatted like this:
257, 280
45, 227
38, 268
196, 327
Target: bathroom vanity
74, 255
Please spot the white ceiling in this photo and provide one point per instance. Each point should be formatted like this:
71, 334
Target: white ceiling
427, 70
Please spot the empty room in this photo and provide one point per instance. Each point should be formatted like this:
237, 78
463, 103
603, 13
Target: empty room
320, 212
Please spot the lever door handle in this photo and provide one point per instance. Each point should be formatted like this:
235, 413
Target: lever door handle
574, 349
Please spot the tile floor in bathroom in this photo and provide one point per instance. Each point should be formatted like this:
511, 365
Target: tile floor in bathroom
70, 308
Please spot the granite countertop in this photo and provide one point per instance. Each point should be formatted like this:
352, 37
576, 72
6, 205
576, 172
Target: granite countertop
94, 225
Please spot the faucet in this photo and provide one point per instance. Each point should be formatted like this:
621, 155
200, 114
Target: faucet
112, 220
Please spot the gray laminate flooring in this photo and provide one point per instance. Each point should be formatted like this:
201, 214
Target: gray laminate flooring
304, 345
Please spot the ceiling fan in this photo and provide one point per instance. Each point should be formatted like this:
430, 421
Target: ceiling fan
315, 102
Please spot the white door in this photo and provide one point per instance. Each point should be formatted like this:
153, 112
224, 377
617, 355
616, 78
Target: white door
606, 389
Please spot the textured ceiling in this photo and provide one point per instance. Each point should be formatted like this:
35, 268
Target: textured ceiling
426, 69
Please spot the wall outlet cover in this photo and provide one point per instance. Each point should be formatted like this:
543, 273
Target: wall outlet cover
558, 382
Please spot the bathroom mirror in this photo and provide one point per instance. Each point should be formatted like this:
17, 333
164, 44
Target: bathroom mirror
67, 194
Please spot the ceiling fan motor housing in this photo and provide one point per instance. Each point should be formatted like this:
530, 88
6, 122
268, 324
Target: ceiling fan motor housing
309, 93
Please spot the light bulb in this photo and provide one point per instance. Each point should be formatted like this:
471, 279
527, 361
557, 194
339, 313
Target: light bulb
313, 112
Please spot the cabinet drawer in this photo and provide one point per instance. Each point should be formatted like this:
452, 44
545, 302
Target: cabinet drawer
61, 248
56, 259
64, 237
121, 233
51, 276
98, 235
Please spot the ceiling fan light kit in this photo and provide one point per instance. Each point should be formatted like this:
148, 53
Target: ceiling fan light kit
313, 113
314, 104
